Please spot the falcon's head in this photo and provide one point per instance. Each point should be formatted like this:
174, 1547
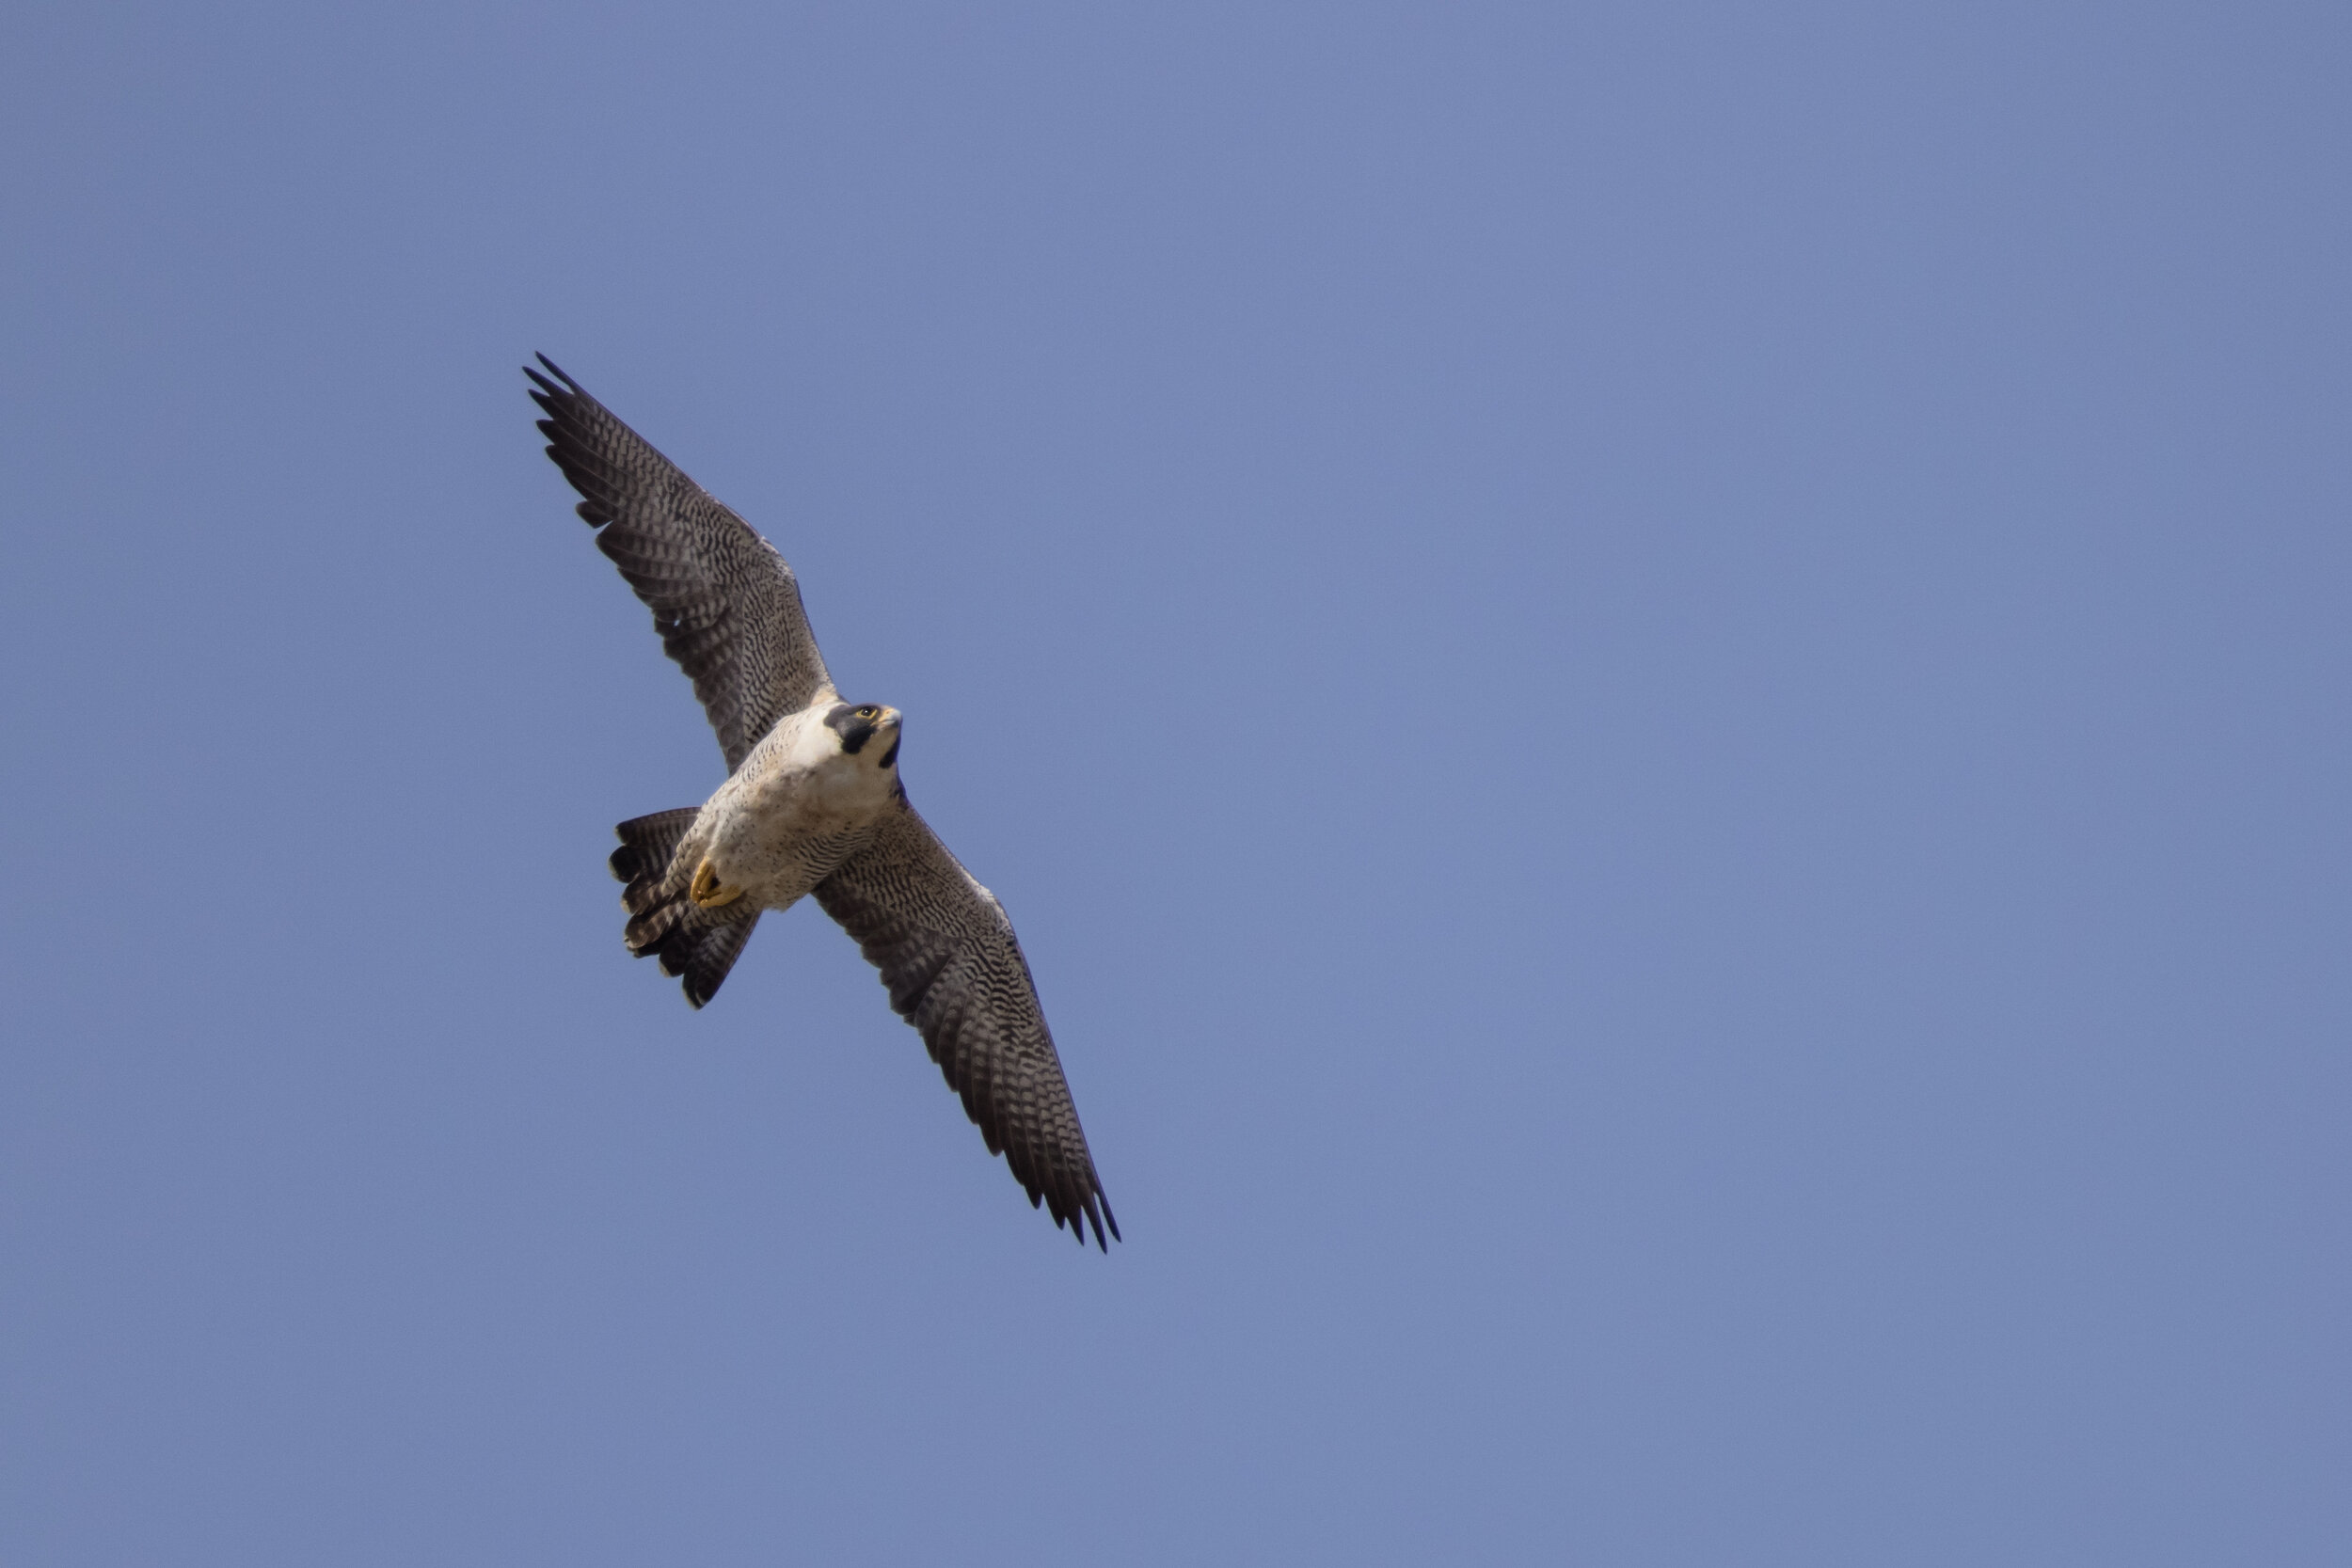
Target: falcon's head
867, 723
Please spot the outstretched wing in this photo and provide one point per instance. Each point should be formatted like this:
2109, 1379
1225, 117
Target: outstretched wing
955, 972
724, 600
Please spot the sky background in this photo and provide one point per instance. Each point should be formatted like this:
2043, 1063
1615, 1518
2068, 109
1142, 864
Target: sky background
1661, 689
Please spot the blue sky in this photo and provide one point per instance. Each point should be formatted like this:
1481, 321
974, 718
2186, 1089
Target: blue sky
1661, 690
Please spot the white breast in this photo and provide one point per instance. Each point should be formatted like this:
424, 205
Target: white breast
795, 809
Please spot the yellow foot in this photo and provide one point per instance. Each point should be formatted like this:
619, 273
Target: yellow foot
706, 890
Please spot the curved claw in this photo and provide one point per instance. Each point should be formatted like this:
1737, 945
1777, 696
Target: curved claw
707, 890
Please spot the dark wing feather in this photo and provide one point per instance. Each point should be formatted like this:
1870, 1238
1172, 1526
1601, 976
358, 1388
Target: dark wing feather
955, 972
724, 600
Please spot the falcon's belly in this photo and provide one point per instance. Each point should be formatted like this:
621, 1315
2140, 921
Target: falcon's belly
795, 809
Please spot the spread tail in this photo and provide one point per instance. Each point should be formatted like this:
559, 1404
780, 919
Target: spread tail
696, 943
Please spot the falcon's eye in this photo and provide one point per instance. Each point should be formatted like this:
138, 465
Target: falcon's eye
869, 712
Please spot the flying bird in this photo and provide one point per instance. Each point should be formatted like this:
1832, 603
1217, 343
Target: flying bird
812, 806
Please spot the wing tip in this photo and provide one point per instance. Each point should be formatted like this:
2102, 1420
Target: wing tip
1101, 1216
554, 370
1090, 1205
1072, 1212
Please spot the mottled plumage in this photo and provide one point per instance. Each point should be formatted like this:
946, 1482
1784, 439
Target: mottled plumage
812, 804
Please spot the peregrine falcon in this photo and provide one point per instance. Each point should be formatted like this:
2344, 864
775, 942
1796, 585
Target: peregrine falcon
812, 805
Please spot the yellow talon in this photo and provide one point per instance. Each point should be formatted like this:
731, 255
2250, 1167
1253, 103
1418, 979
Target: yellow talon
706, 890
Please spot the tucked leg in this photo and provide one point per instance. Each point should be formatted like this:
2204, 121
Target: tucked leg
707, 890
